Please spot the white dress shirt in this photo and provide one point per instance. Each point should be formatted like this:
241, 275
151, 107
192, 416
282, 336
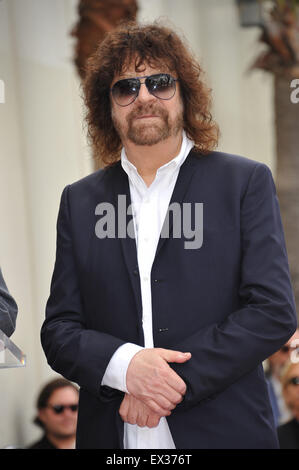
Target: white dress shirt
149, 206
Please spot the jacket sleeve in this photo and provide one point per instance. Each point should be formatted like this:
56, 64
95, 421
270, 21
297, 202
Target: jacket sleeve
79, 354
8, 309
223, 353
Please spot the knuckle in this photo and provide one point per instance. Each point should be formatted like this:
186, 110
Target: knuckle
178, 399
154, 386
158, 371
131, 420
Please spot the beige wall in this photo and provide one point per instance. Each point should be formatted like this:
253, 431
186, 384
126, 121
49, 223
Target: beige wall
43, 148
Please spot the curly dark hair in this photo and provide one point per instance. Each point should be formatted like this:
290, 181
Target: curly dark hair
154, 45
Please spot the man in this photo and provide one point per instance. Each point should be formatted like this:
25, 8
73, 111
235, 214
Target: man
8, 309
275, 365
165, 332
57, 408
288, 433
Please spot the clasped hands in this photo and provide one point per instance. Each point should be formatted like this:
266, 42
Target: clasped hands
154, 388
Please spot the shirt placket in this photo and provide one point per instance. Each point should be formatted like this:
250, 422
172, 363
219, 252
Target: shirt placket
145, 253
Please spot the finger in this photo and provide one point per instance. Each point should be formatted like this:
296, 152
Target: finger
152, 420
174, 356
160, 393
162, 400
173, 397
141, 419
132, 413
174, 381
156, 408
131, 418
124, 408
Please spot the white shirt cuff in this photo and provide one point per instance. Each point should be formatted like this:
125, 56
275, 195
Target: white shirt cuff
116, 371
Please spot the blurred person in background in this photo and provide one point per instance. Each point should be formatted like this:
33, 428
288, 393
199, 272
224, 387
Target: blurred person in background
8, 309
57, 410
274, 367
288, 433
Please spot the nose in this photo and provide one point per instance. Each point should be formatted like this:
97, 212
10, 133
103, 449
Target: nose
144, 95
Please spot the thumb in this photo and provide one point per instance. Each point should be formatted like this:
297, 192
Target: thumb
174, 356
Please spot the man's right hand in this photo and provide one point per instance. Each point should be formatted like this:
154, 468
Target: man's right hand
151, 380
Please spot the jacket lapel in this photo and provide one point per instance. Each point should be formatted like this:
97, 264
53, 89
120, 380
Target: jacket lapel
179, 192
128, 244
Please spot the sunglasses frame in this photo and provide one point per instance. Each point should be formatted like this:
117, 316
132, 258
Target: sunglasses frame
59, 409
144, 83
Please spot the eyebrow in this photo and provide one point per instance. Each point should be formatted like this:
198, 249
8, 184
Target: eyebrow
122, 77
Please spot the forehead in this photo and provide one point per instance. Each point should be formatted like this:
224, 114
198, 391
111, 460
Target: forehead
294, 370
63, 393
139, 69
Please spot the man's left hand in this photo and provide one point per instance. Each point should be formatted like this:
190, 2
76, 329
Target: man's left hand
134, 411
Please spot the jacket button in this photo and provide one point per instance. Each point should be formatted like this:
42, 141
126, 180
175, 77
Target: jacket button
162, 330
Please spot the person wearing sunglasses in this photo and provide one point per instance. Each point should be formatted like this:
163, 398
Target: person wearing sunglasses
166, 338
274, 366
288, 432
57, 411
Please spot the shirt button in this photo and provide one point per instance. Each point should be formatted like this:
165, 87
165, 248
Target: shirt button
145, 278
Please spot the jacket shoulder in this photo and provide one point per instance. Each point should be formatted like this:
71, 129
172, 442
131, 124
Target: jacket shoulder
224, 160
97, 177
221, 166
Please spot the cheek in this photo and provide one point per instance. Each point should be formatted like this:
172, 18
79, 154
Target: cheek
176, 109
118, 119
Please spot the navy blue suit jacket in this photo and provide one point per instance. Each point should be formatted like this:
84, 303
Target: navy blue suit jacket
230, 303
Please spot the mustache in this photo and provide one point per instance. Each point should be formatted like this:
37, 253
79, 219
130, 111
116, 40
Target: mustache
147, 109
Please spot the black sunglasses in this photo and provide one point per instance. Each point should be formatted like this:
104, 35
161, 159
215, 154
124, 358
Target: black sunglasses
294, 381
58, 409
160, 85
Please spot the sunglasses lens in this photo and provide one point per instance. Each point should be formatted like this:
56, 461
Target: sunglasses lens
125, 91
294, 381
58, 409
162, 86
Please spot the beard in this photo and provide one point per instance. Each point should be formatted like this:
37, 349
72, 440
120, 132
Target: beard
148, 131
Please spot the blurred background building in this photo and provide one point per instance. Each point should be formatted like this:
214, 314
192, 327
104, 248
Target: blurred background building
43, 145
